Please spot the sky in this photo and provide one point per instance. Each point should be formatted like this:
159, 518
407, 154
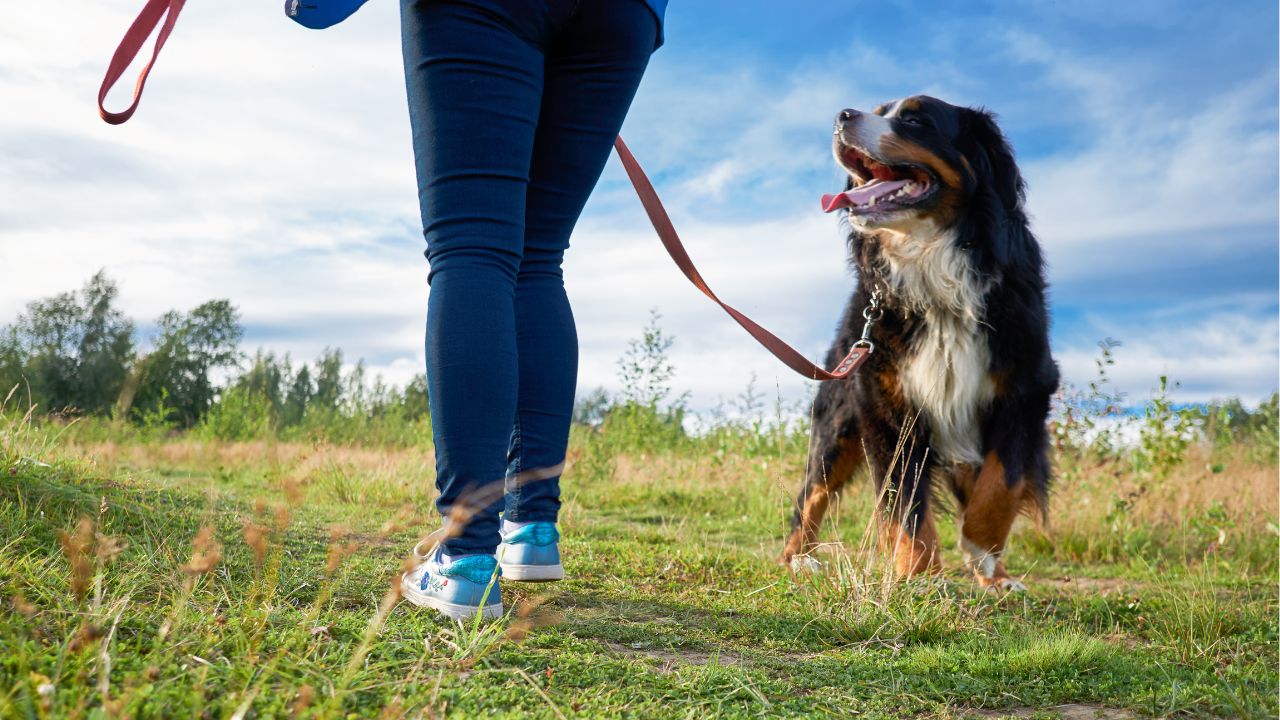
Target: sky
271, 165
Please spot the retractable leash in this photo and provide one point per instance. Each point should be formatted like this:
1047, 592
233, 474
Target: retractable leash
315, 14
318, 14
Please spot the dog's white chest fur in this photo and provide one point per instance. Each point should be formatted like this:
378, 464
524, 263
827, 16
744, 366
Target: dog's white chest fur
945, 375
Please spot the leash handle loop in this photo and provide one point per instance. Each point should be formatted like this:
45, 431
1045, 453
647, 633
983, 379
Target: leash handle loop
791, 357
151, 16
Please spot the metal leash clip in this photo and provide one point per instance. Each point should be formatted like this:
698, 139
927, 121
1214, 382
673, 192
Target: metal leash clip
871, 313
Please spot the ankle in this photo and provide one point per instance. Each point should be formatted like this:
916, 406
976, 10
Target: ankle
510, 526
447, 558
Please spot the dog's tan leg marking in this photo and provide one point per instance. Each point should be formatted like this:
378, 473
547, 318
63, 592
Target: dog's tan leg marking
805, 535
819, 490
990, 508
913, 552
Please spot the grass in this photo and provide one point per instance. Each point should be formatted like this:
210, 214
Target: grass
185, 577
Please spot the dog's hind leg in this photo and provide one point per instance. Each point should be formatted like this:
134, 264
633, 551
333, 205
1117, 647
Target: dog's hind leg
833, 458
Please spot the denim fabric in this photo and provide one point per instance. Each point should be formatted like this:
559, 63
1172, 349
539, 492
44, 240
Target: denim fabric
514, 106
659, 8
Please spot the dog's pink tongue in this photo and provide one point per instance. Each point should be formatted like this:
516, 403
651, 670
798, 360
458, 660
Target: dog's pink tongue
860, 195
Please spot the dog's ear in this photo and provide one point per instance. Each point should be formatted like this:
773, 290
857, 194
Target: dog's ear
992, 159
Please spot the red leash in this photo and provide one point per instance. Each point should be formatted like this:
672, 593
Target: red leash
168, 10
791, 357
134, 39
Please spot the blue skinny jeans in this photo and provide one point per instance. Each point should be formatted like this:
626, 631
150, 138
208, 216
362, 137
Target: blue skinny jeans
514, 105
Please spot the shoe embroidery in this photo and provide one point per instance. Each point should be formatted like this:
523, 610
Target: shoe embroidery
431, 583
476, 568
538, 533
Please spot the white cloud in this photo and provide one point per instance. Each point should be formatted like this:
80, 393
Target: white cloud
1210, 355
1150, 168
272, 166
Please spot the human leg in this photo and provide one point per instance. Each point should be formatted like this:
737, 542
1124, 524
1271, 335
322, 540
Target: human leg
474, 78
594, 65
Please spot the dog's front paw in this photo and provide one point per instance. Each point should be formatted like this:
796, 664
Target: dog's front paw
805, 563
1002, 584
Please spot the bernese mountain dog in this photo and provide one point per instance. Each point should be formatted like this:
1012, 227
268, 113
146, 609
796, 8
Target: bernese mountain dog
956, 393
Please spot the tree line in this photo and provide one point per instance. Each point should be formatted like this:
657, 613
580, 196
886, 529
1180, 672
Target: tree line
76, 354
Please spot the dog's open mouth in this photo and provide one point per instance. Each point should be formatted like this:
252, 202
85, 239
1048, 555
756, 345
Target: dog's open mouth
879, 187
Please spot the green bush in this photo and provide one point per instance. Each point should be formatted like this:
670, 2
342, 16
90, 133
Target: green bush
240, 414
1165, 435
1228, 424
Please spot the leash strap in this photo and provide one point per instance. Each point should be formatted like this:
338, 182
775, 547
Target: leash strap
151, 16
791, 357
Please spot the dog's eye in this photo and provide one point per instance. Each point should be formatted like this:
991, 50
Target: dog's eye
913, 120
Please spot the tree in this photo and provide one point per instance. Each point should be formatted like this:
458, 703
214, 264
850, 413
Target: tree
73, 349
189, 349
268, 377
416, 403
47, 331
11, 366
643, 418
328, 376
300, 393
592, 408
645, 368
106, 347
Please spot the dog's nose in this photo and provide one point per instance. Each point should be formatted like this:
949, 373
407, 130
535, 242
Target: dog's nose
848, 114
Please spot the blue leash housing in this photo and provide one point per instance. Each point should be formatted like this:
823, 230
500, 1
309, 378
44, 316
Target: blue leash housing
320, 14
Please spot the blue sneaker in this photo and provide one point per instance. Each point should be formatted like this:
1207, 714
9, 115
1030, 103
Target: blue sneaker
530, 553
457, 589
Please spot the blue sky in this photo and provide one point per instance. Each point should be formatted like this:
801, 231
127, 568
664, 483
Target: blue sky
279, 175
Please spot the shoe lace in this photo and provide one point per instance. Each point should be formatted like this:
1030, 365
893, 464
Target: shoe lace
430, 543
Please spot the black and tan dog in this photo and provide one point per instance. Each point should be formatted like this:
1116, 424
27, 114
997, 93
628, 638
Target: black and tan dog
956, 394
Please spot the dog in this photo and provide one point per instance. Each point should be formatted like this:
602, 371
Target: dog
957, 390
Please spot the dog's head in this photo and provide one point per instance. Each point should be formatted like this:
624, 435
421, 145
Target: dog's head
920, 162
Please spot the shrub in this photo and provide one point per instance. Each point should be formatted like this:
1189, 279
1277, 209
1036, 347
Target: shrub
240, 414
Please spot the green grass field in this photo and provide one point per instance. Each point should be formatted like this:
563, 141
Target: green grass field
177, 577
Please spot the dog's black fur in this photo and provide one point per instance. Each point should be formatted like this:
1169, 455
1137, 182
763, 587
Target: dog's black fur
974, 201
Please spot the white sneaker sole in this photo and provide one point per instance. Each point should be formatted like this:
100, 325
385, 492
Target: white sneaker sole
532, 573
453, 611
